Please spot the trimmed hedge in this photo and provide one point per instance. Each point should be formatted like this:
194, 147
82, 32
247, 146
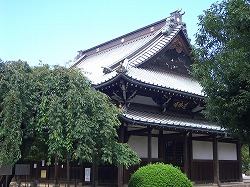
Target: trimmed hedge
159, 175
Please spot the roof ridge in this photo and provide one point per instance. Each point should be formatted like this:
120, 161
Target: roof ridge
128, 34
125, 43
166, 25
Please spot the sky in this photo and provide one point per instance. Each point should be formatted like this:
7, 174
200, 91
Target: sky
52, 31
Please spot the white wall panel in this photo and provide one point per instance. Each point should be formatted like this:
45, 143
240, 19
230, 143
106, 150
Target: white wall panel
202, 150
227, 151
140, 145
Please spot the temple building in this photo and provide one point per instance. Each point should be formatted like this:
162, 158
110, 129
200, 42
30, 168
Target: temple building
146, 73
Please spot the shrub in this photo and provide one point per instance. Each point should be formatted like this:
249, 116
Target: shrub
245, 159
247, 173
159, 175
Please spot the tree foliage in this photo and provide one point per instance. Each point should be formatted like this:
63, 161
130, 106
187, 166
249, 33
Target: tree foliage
55, 111
16, 108
222, 54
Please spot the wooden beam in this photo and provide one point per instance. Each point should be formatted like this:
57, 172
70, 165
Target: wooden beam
176, 135
139, 131
203, 138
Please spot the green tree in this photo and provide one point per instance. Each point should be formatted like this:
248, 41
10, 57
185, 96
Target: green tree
78, 122
55, 111
222, 53
16, 110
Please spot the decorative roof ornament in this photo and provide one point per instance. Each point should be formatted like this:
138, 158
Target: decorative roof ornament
80, 53
174, 20
123, 66
106, 70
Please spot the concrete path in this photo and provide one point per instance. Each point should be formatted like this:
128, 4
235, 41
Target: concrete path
245, 183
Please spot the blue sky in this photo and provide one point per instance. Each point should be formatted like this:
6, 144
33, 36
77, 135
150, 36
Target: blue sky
54, 30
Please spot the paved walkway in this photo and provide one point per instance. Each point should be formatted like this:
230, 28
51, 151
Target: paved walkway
246, 179
245, 183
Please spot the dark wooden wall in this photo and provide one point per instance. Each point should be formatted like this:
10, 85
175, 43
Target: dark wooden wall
229, 171
202, 171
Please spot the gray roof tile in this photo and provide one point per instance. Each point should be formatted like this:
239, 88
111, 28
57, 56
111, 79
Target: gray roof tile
166, 79
161, 119
94, 63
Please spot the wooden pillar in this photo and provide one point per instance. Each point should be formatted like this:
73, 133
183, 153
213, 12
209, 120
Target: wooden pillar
149, 145
239, 157
81, 174
68, 170
160, 145
190, 154
121, 168
94, 173
215, 160
185, 154
37, 170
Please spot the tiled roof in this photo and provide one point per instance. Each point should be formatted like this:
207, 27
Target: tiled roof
135, 52
93, 65
174, 122
131, 54
166, 79
160, 79
156, 46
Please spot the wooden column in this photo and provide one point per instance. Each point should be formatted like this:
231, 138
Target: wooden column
190, 154
81, 174
149, 145
160, 146
239, 160
215, 160
185, 154
121, 168
68, 171
94, 173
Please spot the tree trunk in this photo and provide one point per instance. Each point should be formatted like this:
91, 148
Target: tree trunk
56, 172
94, 173
68, 173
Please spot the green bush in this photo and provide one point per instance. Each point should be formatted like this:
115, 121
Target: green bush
159, 175
247, 173
245, 159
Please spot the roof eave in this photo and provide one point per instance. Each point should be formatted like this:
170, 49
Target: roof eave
136, 82
174, 128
